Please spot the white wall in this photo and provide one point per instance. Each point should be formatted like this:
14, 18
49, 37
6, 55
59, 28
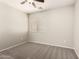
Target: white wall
54, 27
76, 28
13, 26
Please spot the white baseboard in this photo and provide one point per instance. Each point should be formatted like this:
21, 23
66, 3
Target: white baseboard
13, 46
52, 45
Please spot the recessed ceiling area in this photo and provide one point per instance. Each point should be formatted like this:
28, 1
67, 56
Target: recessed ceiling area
48, 4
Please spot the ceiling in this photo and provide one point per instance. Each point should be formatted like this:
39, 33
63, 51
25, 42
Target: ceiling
47, 5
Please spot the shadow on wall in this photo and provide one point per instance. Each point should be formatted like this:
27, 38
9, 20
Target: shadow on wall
8, 39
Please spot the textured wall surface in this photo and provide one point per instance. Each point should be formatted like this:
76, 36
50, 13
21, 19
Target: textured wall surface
54, 27
13, 26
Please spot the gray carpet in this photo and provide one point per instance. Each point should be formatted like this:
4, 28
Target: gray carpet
40, 51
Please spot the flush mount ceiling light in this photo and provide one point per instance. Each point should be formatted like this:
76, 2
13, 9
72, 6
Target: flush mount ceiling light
32, 2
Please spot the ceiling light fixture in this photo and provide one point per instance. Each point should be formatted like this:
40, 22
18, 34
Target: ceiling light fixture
32, 2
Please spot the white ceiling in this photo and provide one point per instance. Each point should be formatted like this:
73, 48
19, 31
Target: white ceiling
47, 5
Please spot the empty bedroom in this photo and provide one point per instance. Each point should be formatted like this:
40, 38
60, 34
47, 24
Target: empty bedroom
39, 29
